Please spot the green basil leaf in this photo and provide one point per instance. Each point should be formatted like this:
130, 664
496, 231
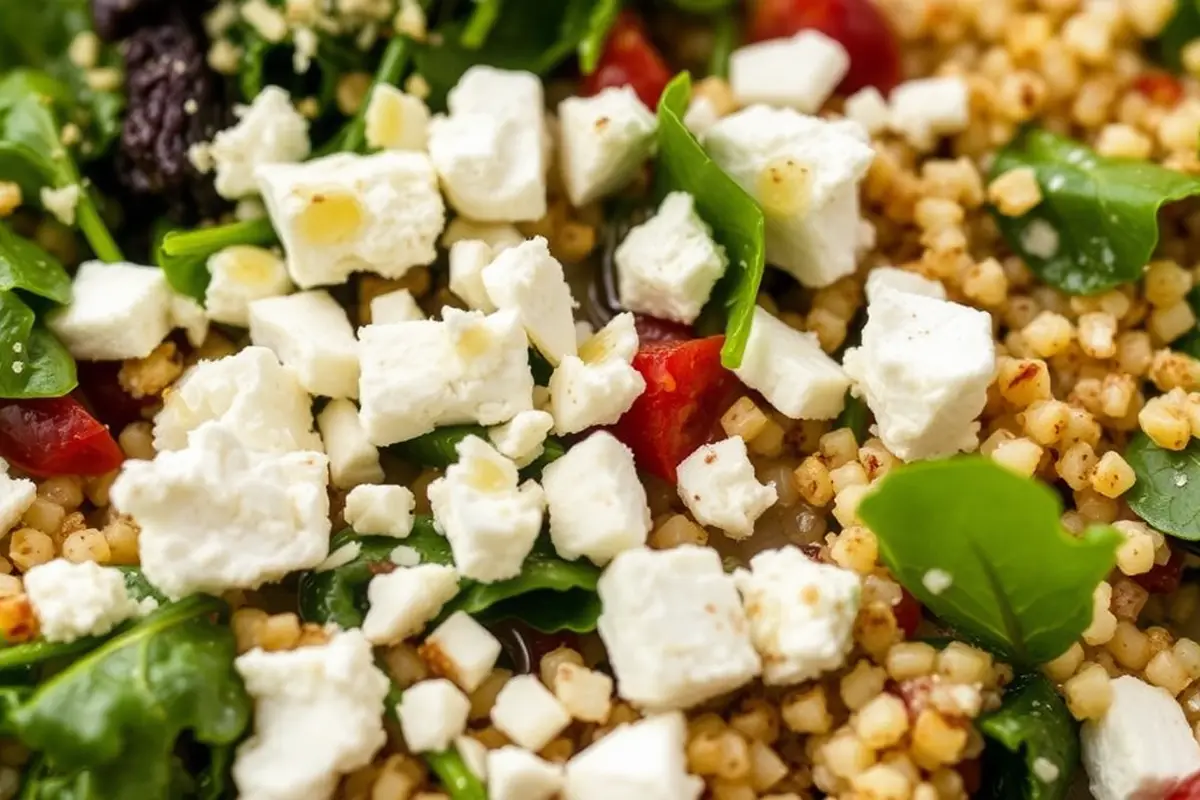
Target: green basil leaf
1020, 584
183, 255
32, 362
1097, 224
439, 448
1182, 29
1165, 492
25, 266
1031, 726
736, 220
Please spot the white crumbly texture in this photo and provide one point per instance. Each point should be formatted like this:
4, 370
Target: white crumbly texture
318, 715
869, 109
61, 202
240, 275
352, 458
585, 693
668, 265
75, 600
791, 371
250, 393
531, 282
490, 520
596, 501
718, 486
385, 510
527, 713
799, 72
216, 516
16, 496
600, 384
700, 116
496, 235
468, 258
432, 715
604, 140
310, 333
517, 774
1141, 746
465, 651
924, 110
270, 131
402, 601
522, 438
395, 120
810, 170
397, 306
188, 315
474, 754
923, 368
674, 627
882, 279
117, 311
644, 760
386, 215
801, 613
340, 557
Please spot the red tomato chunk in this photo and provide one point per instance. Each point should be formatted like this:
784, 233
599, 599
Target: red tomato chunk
55, 436
629, 59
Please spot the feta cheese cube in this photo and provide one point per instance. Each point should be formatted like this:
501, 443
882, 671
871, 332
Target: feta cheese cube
269, 131
516, 774
491, 523
61, 202
318, 715
869, 109
397, 306
584, 693
16, 496
76, 600
799, 72
216, 516
883, 279
346, 213
804, 172
924, 110
310, 333
616, 341
700, 116
522, 437
474, 755
605, 139
250, 393
585, 395
402, 601
187, 314
646, 760
340, 557
674, 627
117, 311
240, 275
924, 368
526, 712
530, 281
432, 714
596, 501
798, 641
352, 457
385, 510
791, 370
718, 486
668, 265
462, 650
495, 235
468, 257
1141, 747
466, 368
395, 120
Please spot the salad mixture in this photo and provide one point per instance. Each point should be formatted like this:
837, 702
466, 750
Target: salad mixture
599, 400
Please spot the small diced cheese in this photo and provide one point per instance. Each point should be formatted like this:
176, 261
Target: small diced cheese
645, 760
869, 109
395, 120
463, 650
668, 265
397, 306
584, 330
16, 496
187, 314
605, 139
516, 774
522, 437
474, 754
61, 202
216, 516
526, 712
674, 627
270, 131
596, 501
718, 486
240, 275
75, 600
402, 601
924, 110
700, 116
340, 557
584, 693
798, 641
800, 72
585, 395
345, 213
490, 521
791, 370
318, 715
310, 333
117, 311
495, 235
468, 257
530, 281
882, 279
432, 714
385, 510
616, 341
352, 457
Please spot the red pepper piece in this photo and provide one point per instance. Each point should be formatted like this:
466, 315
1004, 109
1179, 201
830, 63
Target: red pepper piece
629, 59
907, 613
858, 24
687, 390
1163, 578
1187, 789
56, 436
652, 329
1161, 88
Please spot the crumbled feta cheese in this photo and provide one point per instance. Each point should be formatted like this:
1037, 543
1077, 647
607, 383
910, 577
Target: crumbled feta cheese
645, 760
216, 516
240, 275
310, 333
340, 557
352, 457
61, 202
117, 311
804, 172
76, 600
404, 556
474, 754
462, 650
584, 693
924, 110
596, 501
270, 131
801, 613
402, 601
882, 279
395, 120
497, 236
718, 486
187, 314
516, 774
599, 385
799, 72
527, 713
530, 281
668, 265
397, 306
605, 139
344, 213
432, 714
491, 523
674, 627
468, 257
584, 330
318, 715
1040, 239
1045, 770
937, 580
869, 109
522, 437
385, 510
16, 496
791, 370
700, 116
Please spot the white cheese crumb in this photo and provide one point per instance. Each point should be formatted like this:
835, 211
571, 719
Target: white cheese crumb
937, 580
1040, 239
1045, 770
340, 557
61, 202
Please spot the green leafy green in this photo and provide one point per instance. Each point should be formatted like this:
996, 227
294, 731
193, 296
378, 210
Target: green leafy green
726, 35
183, 255
1165, 492
1020, 584
855, 416
1182, 29
439, 448
736, 220
1097, 224
591, 46
25, 266
391, 69
452, 772
138, 587
1190, 342
480, 23
1032, 725
32, 362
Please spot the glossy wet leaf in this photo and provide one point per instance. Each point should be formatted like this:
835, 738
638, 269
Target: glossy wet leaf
1166, 493
1031, 726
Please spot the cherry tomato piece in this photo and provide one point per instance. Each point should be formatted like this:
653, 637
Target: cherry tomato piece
629, 59
653, 329
56, 436
1163, 578
907, 613
1160, 88
1187, 789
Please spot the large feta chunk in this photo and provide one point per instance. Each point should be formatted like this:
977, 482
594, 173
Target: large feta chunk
668, 265
804, 172
395, 120
117, 311
527, 713
352, 457
674, 627
925, 109
530, 281
318, 715
16, 496
396, 306
402, 601
522, 437
596, 501
799, 72
517, 774
599, 385
462, 650
382, 510
645, 759
604, 139
882, 279
75, 600
269, 131
347, 213
432, 714
310, 333
791, 370
242, 274
718, 486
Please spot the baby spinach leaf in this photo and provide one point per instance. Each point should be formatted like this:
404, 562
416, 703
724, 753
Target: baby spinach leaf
855, 416
25, 266
600, 22
439, 448
452, 772
1021, 585
183, 255
1165, 493
1183, 28
1097, 224
1031, 726
736, 220
32, 362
